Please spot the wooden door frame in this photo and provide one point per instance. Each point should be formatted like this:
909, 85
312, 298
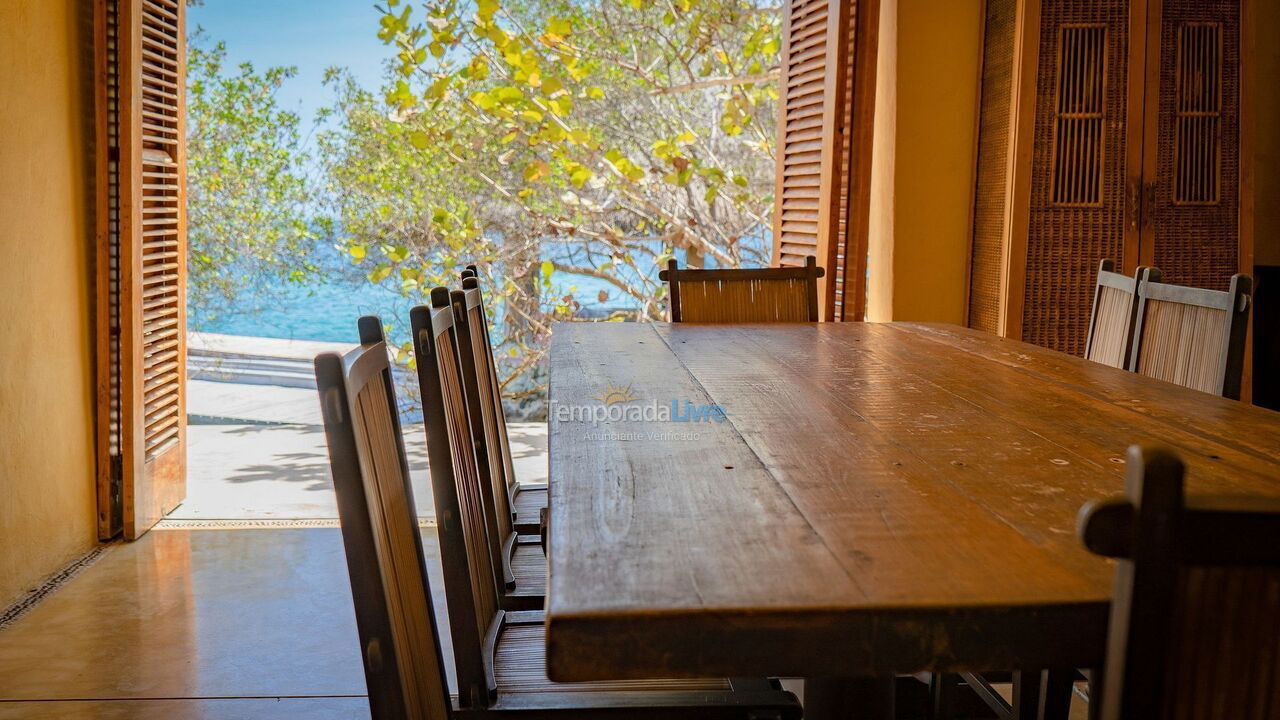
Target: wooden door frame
1148, 70
1022, 122
831, 194
861, 138
1248, 126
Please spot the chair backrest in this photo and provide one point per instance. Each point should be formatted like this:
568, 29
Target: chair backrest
1115, 304
1195, 616
484, 402
403, 665
479, 320
745, 295
1192, 336
470, 580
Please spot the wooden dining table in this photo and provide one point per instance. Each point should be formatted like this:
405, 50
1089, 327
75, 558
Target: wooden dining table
846, 501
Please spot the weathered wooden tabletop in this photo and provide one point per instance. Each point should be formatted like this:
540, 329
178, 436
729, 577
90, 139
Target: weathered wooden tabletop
881, 497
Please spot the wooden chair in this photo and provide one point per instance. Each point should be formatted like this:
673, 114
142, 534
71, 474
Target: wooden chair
1192, 336
500, 654
526, 501
1195, 619
744, 296
518, 563
403, 665
1115, 304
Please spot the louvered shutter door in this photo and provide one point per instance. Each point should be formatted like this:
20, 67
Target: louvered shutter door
817, 190
144, 244
805, 214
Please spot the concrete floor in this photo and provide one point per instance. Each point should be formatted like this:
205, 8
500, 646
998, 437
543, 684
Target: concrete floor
197, 624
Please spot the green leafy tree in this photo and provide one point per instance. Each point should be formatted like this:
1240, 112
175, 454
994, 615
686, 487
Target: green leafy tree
549, 140
248, 192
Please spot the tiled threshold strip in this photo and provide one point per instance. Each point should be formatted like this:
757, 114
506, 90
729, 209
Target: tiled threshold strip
51, 585
260, 523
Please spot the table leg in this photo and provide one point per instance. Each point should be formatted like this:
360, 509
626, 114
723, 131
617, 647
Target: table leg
1095, 693
1059, 686
843, 698
1026, 694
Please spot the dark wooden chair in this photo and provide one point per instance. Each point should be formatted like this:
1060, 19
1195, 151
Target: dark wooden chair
744, 296
1195, 618
527, 501
1192, 336
1115, 305
403, 665
517, 562
501, 655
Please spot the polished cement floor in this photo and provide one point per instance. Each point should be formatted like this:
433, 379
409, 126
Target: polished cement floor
203, 624
252, 624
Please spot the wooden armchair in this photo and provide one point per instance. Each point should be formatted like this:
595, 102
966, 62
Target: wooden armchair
403, 665
744, 296
1195, 620
500, 654
1115, 305
1192, 336
527, 501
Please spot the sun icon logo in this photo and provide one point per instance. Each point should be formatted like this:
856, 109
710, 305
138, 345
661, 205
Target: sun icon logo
616, 394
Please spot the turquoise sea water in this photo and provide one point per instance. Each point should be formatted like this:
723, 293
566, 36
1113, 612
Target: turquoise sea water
328, 310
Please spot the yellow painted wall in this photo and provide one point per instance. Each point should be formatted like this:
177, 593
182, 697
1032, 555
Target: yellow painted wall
922, 161
1266, 135
46, 380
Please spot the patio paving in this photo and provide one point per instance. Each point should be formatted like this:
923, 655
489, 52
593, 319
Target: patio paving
256, 449
281, 471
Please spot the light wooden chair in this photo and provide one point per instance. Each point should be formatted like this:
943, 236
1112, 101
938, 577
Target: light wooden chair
403, 665
1115, 304
1195, 618
1192, 336
501, 655
527, 501
744, 296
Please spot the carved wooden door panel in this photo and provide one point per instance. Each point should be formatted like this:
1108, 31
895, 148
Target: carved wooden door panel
1085, 152
1135, 156
1191, 157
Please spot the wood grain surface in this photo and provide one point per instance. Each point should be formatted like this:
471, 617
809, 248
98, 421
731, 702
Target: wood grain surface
880, 498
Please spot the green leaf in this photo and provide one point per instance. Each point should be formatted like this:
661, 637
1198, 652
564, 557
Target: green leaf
419, 139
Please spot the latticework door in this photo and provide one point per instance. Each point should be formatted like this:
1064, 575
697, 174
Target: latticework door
1191, 226
1079, 167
